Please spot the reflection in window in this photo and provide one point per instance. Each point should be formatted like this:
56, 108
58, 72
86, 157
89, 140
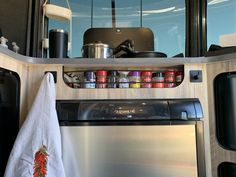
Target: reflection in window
166, 18
101, 16
221, 19
128, 13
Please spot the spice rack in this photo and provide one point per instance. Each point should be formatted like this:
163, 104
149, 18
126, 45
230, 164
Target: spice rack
112, 78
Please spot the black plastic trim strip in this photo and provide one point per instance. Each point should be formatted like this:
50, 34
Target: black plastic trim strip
195, 28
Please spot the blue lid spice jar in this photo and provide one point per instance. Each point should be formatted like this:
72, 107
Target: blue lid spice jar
123, 79
89, 79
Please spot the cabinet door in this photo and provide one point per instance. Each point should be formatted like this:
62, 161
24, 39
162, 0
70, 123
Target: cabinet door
227, 169
225, 108
9, 113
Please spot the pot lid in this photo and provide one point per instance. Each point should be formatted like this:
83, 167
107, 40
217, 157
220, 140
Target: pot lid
96, 44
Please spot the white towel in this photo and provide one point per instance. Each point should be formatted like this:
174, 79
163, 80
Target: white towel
40, 129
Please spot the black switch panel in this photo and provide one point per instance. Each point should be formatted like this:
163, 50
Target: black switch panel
195, 76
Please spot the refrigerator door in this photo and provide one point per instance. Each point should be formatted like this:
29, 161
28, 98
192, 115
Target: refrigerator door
130, 151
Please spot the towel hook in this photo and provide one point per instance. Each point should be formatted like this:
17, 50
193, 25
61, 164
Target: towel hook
54, 73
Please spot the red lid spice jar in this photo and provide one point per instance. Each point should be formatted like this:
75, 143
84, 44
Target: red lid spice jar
158, 80
146, 79
170, 79
179, 75
101, 79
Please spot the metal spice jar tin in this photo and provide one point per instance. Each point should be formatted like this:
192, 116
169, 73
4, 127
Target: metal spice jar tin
101, 79
146, 79
158, 80
89, 79
112, 79
179, 75
170, 79
123, 79
134, 79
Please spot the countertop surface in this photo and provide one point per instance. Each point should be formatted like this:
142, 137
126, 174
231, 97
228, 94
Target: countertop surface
118, 61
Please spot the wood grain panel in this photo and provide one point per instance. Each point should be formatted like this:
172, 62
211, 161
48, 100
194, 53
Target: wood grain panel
21, 69
218, 154
31, 76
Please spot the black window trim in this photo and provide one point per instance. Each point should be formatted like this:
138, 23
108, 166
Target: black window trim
195, 28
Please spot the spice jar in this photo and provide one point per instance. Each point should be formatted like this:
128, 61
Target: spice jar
134, 79
179, 75
158, 80
169, 78
89, 79
123, 79
112, 79
146, 78
101, 79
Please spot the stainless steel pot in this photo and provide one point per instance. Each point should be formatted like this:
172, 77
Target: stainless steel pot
96, 50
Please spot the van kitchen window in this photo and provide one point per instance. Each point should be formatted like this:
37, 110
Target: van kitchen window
165, 18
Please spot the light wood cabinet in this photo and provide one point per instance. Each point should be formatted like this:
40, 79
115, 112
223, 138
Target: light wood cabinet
32, 70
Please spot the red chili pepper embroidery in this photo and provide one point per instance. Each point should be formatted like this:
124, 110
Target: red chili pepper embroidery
40, 162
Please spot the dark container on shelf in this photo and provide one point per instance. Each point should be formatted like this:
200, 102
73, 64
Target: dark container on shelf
225, 109
58, 43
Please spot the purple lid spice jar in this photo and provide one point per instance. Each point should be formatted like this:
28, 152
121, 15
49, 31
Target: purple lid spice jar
134, 79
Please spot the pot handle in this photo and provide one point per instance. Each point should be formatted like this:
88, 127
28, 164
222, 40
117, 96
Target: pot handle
126, 46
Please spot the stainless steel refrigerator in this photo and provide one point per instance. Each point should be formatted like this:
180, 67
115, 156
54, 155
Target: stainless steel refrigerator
138, 138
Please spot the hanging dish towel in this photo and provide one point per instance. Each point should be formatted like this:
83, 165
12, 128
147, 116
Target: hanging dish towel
37, 149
